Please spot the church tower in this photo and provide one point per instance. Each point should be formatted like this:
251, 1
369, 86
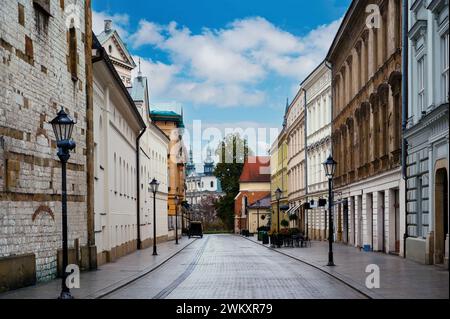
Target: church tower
209, 163
190, 166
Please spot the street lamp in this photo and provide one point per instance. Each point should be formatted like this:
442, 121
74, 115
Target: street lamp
278, 194
257, 215
177, 201
154, 185
62, 127
330, 169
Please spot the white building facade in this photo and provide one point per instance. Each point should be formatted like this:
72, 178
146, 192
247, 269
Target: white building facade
124, 215
296, 163
318, 134
427, 132
117, 125
201, 185
154, 147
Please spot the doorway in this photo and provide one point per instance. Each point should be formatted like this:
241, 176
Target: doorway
360, 222
441, 214
346, 223
397, 220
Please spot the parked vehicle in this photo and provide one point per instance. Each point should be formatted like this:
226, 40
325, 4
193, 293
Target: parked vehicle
195, 229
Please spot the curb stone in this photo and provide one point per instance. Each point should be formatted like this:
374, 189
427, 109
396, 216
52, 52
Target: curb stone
126, 281
342, 278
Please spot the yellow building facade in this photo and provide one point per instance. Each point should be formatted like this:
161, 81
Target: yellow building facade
278, 179
172, 125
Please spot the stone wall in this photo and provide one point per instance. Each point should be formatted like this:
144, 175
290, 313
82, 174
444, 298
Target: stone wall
35, 82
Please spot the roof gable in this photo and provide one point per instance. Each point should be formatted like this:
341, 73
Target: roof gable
119, 52
256, 169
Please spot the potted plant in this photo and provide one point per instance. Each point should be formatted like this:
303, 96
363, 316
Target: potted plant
284, 223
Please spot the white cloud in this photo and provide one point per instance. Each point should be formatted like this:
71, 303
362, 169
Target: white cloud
120, 23
148, 33
226, 67
160, 76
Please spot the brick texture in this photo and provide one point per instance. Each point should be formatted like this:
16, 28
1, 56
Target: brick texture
34, 84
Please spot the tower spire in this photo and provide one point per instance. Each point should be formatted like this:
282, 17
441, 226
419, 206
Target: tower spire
139, 73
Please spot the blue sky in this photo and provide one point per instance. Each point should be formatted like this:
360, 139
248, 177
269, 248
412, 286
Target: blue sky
228, 63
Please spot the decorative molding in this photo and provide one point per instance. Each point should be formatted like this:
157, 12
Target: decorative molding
418, 30
41, 210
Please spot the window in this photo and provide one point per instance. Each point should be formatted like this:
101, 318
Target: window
445, 67
120, 176
73, 53
421, 84
212, 184
115, 173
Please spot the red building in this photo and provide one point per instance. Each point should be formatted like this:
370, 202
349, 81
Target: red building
254, 185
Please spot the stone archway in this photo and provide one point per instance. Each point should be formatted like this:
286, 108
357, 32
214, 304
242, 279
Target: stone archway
440, 211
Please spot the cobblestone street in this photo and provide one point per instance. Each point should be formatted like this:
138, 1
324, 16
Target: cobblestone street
231, 267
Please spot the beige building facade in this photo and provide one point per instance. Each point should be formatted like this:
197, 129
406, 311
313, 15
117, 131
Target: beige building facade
296, 160
171, 123
366, 129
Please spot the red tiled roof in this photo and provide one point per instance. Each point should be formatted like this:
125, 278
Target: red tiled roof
256, 169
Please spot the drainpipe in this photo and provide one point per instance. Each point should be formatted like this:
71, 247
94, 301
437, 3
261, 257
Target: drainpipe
89, 137
306, 158
329, 65
138, 184
404, 105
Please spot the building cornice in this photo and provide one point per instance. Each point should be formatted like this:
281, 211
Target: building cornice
428, 120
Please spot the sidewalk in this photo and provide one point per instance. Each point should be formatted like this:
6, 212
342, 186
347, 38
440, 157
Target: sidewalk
399, 278
108, 277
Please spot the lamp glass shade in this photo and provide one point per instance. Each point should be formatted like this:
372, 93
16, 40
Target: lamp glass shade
154, 185
330, 166
278, 193
62, 126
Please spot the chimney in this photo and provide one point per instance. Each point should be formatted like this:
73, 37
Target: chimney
108, 25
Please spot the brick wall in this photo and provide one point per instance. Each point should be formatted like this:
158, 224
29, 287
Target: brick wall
35, 82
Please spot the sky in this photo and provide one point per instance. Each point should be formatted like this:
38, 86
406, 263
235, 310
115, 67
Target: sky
229, 63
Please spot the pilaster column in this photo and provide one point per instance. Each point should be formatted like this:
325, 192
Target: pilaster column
351, 210
367, 219
371, 53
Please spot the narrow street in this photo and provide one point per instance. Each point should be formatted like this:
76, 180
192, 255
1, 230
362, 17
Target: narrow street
231, 267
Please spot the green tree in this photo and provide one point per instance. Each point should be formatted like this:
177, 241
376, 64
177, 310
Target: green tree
232, 151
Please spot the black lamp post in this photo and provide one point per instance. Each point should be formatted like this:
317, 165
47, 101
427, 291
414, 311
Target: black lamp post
154, 184
278, 194
258, 202
330, 169
62, 127
177, 201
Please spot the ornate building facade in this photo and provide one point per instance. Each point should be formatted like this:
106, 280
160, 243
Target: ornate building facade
278, 175
318, 134
296, 159
427, 132
366, 128
171, 123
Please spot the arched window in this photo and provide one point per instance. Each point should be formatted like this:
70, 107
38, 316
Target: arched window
212, 184
101, 142
115, 173
120, 175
